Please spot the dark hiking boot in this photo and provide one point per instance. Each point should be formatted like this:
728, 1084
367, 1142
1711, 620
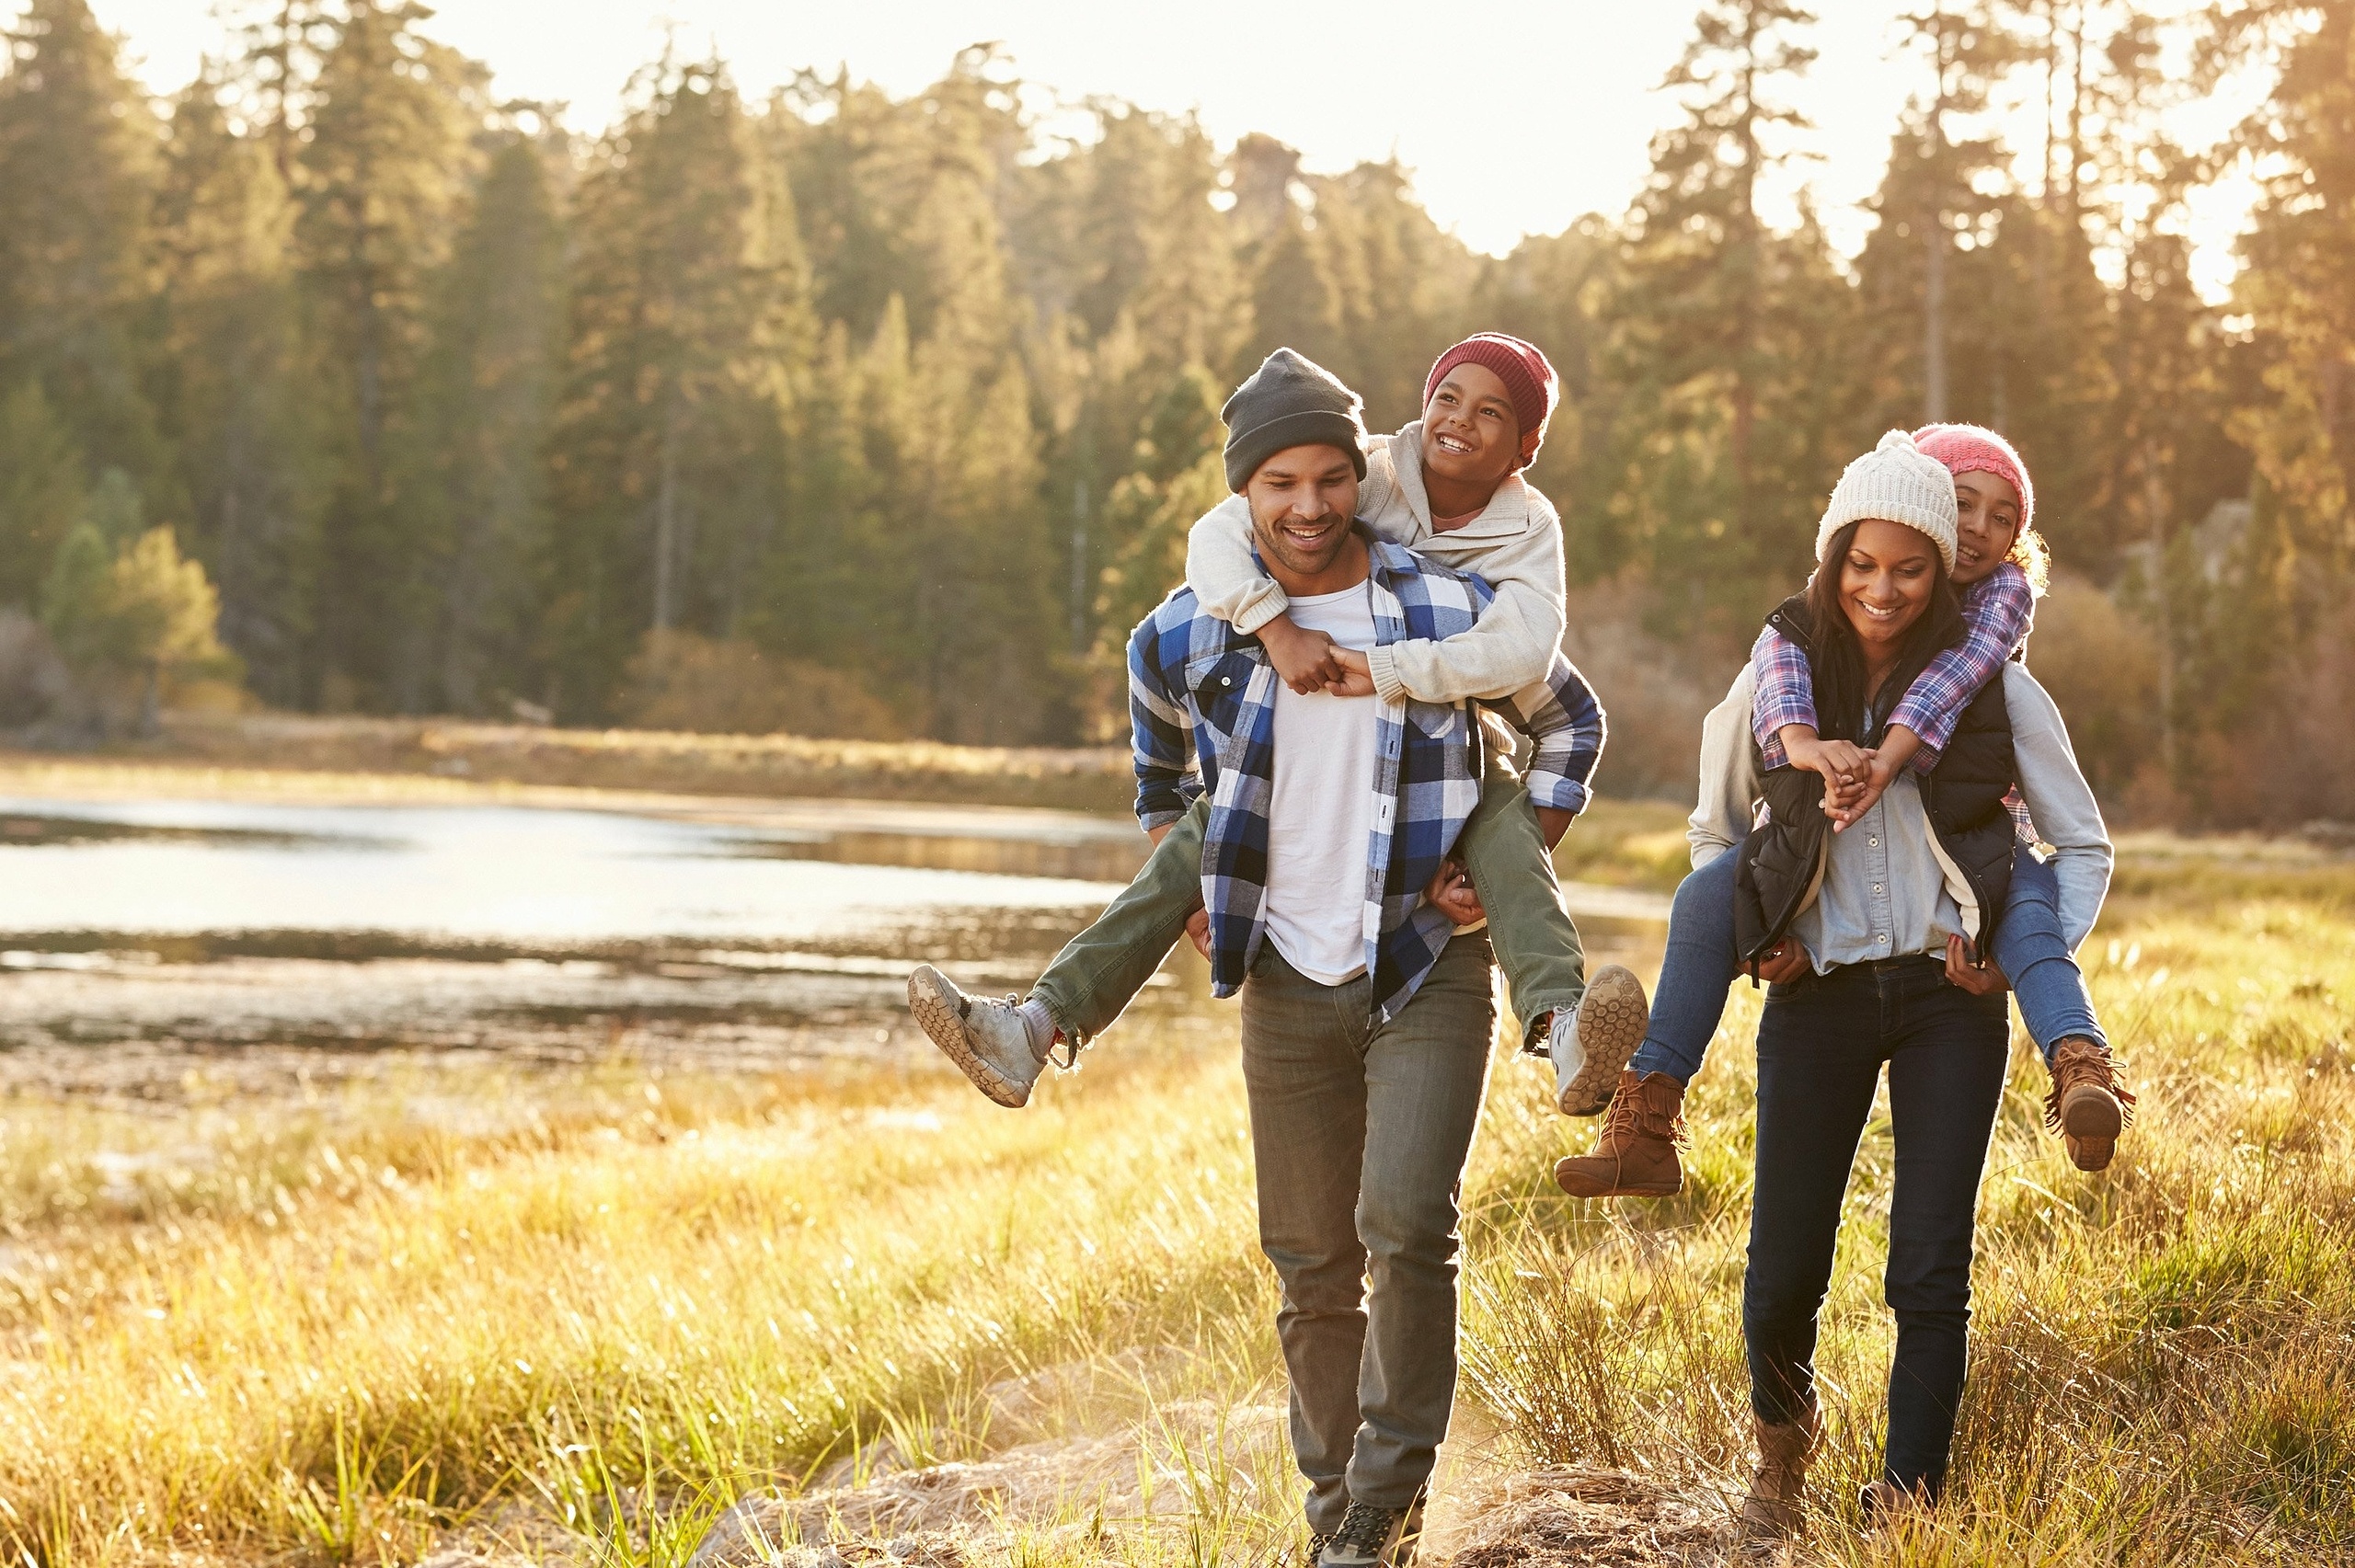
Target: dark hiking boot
1635, 1156
2088, 1107
987, 1040
1778, 1482
1375, 1537
1589, 1047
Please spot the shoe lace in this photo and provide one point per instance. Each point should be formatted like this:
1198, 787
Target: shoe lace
2099, 1070
1366, 1528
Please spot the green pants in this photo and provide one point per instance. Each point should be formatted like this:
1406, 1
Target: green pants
1101, 969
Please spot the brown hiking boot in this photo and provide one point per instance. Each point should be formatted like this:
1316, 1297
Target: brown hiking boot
2088, 1107
1778, 1483
1635, 1156
1885, 1504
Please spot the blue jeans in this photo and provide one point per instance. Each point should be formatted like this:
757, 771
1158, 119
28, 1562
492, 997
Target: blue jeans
1701, 963
1821, 1047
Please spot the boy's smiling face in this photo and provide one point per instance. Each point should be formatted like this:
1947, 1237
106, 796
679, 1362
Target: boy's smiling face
1471, 435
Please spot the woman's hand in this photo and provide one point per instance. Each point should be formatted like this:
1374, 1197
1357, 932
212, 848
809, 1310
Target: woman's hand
1842, 764
1880, 772
1783, 962
1451, 893
1980, 979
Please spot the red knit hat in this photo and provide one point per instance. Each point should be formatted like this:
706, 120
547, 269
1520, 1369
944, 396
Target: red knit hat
1975, 448
1529, 381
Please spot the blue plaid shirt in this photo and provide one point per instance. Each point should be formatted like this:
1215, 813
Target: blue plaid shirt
1193, 677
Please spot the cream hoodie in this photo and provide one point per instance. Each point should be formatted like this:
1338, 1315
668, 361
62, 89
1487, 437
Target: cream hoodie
1515, 544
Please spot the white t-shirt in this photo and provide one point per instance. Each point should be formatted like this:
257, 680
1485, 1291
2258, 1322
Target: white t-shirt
1321, 811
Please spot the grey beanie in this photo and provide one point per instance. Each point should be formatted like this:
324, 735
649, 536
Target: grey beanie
1291, 400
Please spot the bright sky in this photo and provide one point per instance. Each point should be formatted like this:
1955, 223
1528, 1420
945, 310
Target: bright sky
1515, 116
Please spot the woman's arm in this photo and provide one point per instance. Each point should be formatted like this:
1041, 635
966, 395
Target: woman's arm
1786, 687
1923, 720
2063, 803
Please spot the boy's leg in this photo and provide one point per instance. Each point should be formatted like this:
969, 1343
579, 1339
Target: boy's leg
1592, 1027
1700, 965
1100, 971
2034, 955
1536, 945
1004, 1046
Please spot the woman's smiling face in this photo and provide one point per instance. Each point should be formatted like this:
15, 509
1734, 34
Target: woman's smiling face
1885, 582
1987, 521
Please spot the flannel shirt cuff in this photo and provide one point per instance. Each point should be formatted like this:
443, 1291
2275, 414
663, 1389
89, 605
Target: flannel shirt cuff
1551, 789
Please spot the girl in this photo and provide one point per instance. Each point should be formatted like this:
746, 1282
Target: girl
2000, 566
1872, 924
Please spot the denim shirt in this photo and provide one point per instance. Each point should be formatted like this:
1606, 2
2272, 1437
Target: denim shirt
1885, 893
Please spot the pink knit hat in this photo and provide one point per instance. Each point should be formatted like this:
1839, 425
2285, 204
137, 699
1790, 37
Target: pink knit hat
1975, 448
1528, 376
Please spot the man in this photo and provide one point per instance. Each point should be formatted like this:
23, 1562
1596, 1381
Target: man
1367, 1014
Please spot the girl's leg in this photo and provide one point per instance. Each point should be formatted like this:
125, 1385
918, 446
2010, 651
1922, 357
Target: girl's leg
1694, 979
1946, 1079
2029, 949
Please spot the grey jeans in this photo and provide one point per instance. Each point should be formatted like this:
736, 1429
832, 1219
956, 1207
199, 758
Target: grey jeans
1360, 1137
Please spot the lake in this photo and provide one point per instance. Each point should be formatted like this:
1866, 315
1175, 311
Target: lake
144, 939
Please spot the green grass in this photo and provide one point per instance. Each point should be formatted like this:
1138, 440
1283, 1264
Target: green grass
333, 1331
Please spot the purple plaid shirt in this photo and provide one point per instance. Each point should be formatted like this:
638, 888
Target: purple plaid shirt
1999, 610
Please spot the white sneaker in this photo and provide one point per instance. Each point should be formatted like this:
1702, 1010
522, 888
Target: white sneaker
1588, 1049
987, 1040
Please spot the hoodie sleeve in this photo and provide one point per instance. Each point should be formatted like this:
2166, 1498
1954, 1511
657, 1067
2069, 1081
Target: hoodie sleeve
1516, 642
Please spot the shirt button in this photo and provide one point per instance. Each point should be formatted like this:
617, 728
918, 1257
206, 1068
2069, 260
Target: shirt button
1226, 680
1874, 842
1876, 886
1883, 940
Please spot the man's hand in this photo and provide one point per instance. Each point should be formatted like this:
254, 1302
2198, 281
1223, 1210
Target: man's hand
1198, 928
1451, 893
1783, 962
1303, 659
1357, 674
1553, 821
1980, 979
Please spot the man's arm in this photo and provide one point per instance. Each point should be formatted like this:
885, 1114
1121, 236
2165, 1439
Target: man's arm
1931, 707
1159, 736
1561, 715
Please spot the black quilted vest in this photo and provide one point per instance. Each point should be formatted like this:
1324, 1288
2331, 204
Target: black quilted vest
1782, 861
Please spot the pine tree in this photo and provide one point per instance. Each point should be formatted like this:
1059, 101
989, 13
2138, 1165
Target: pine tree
77, 165
235, 389
40, 490
688, 333
389, 156
472, 480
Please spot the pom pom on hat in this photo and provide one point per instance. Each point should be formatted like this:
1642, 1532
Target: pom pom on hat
1896, 482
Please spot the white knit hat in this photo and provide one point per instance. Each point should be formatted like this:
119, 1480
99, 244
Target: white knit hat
1898, 484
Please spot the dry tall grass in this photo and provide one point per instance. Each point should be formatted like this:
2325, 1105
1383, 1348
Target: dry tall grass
336, 1330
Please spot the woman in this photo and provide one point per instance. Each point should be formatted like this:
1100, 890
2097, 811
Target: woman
1856, 928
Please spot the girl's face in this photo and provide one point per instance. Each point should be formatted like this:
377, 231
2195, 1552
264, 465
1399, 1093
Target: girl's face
1988, 520
1885, 582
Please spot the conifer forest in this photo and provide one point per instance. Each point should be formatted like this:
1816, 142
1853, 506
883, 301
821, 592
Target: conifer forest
374, 390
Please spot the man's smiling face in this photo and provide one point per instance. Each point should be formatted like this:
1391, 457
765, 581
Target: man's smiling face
1302, 501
